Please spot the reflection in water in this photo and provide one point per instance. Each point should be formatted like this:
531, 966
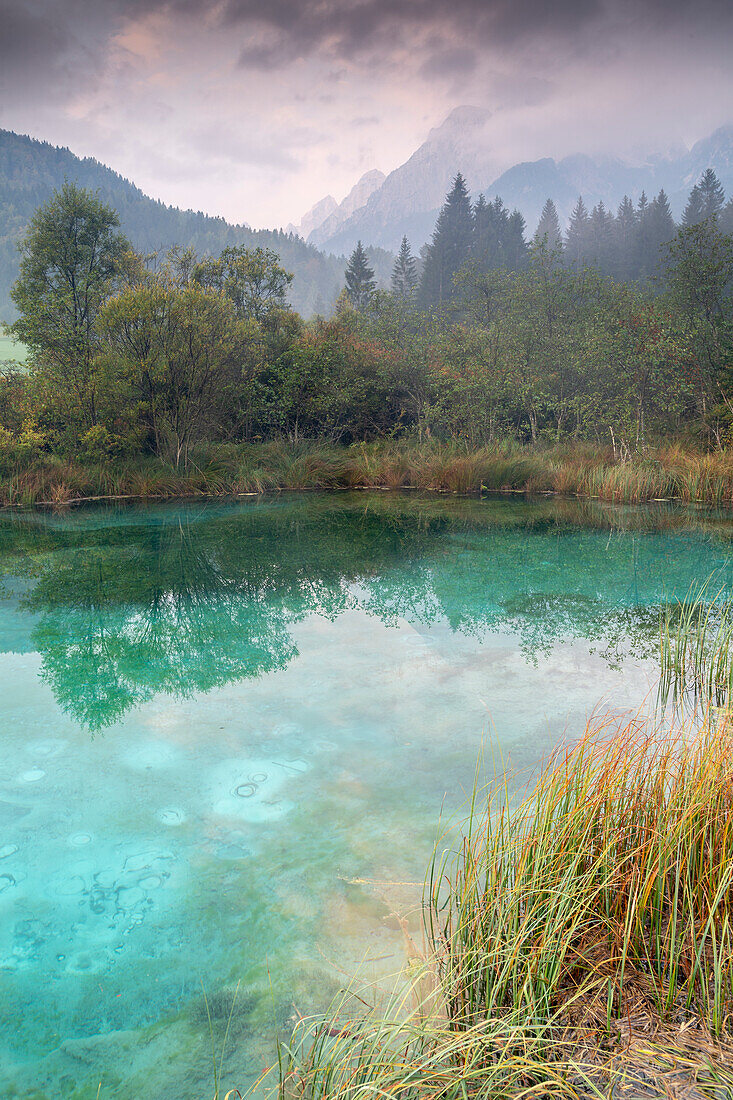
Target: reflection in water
300, 686
130, 604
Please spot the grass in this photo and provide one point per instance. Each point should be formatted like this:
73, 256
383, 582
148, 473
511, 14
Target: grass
579, 945
696, 649
669, 472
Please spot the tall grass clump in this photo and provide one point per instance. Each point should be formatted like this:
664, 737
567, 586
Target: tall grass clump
696, 648
579, 940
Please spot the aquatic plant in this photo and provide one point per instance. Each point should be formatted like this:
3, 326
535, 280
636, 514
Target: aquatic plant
696, 648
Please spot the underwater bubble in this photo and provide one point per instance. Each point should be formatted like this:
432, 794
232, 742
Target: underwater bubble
8, 850
288, 729
32, 776
80, 839
232, 851
259, 777
6, 881
129, 897
245, 790
150, 882
46, 748
143, 861
171, 816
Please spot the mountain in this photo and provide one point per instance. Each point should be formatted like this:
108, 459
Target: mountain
30, 171
359, 194
409, 199
315, 217
323, 219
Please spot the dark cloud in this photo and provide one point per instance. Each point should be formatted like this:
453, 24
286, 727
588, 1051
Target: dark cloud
28, 41
282, 31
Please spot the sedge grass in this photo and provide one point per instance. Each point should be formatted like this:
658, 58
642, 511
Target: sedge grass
580, 943
696, 648
582, 470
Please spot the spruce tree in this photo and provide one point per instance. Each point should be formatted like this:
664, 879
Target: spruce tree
498, 236
404, 272
450, 246
548, 228
577, 237
693, 212
360, 282
600, 237
514, 246
711, 193
625, 229
660, 231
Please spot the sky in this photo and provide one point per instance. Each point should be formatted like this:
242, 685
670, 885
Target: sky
256, 109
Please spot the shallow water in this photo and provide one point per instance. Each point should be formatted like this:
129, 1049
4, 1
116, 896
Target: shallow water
229, 732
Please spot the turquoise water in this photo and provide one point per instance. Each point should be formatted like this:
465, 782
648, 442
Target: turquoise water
229, 732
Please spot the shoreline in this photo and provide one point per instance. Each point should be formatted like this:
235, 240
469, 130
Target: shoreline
667, 473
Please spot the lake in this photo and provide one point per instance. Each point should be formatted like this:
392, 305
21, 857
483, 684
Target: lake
229, 733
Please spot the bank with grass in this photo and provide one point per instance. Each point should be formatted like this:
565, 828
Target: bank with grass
578, 945
30, 475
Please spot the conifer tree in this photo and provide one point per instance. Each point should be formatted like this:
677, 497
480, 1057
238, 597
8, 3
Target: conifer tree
404, 272
660, 231
576, 240
711, 193
450, 246
625, 229
548, 228
360, 282
498, 236
514, 245
600, 237
693, 212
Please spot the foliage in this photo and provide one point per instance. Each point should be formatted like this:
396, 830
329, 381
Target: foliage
71, 263
360, 283
529, 344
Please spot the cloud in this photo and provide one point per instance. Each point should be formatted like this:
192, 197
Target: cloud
256, 108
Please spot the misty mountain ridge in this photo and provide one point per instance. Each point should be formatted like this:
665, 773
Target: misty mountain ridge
327, 215
409, 199
31, 170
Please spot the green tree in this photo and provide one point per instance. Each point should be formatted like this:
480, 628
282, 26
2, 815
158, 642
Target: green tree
711, 193
178, 349
700, 292
71, 260
404, 272
548, 228
252, 279
578, 234
450, 246
360, 281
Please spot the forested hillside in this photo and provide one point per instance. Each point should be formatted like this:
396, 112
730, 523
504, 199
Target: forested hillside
30, 171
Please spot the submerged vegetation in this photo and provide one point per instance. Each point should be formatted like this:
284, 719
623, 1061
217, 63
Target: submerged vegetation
580, 944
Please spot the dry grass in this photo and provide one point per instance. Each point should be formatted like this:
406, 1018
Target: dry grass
578, 470
582, 943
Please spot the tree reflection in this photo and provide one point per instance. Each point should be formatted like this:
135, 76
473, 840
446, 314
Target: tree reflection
179, 600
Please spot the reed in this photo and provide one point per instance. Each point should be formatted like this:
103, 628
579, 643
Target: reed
696, 648
579, 942
667, 472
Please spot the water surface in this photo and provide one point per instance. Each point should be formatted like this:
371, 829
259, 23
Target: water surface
228, 732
